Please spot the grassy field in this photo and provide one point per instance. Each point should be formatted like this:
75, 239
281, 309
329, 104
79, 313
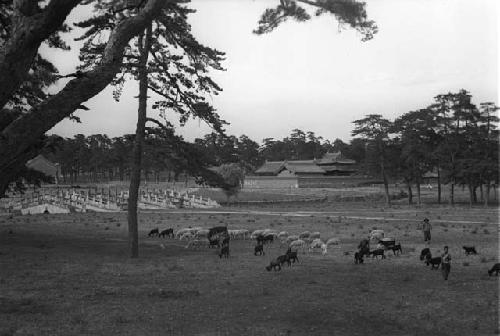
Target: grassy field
70, 275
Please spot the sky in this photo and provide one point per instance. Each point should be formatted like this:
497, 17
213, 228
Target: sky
312, 76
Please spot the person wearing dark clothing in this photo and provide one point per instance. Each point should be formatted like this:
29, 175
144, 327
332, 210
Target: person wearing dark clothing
446, 263
426, 227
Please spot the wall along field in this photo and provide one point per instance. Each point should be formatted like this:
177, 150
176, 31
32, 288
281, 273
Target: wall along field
70, 275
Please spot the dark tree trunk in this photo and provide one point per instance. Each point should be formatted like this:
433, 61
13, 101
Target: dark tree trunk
487, 196
439, 184
471, 194
386, 184
417, 184
410, 193
481, 192
452, 190
135, 179
474, 194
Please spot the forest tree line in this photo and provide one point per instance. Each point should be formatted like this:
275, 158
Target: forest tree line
451, 137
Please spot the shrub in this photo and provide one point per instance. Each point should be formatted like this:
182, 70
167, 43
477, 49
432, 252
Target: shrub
485, 231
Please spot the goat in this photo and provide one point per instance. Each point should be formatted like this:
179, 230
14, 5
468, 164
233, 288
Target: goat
274, 264
284, 259
224, 251
376, 235
283, 235
358, 258
317, 243
296, 244
395, 248
197, 243
256, 233
469, 250
238, 233
263, 239
180, 232
167, 233
216, 230
305, 234
154, 232
333, 241
363, 244
202, 233
429, 260
187, 235
424, 253
377, 252
292, 255
258, 249
213, 242
315, 235
292, 238
495, 268
225, 241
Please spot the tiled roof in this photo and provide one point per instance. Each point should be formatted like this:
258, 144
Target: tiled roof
270, 167
299, 167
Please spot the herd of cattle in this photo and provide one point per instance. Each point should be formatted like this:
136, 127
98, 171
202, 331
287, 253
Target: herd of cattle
220, 236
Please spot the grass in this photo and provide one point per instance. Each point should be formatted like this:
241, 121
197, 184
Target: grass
68, 275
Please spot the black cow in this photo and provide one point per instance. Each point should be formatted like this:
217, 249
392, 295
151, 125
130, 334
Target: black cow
258, 249
217, 230
292, 256
213, 242
225, 241
358, 258
224, 251
395, 248
495, 268
378, 252
424, 253
154, 232
434, 262
167, 233
469, 250
274, 264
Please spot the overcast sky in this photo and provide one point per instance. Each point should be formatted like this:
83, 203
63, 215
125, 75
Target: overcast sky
313, 77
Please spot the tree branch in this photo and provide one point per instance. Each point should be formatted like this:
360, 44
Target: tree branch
29, 29
23, 132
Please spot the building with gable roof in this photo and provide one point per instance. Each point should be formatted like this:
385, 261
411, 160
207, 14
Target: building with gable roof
330, 171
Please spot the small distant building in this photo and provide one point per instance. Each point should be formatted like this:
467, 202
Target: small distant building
43, 165
290, 168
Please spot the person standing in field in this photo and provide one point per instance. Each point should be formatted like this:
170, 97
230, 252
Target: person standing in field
446, 263
426, 227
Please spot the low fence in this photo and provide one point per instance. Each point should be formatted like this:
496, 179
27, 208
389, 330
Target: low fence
102, 199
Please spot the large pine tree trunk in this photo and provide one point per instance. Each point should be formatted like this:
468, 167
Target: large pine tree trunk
135, 178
